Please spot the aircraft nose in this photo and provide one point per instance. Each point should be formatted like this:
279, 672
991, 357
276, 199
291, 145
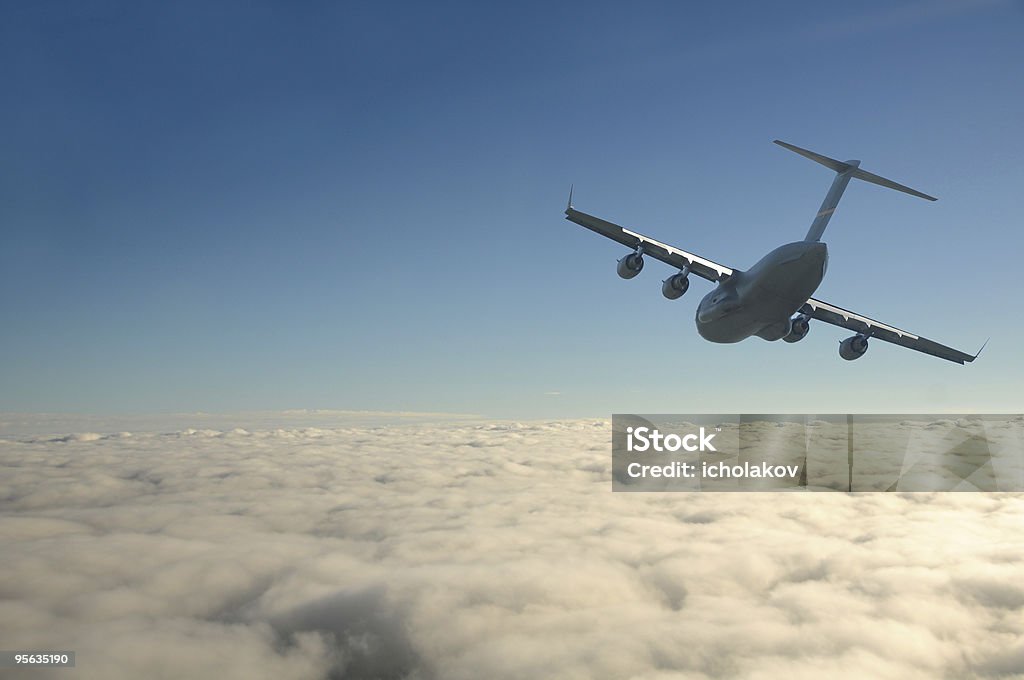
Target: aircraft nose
716, 310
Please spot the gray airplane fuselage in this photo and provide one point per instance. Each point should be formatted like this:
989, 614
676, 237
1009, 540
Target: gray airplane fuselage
762, 300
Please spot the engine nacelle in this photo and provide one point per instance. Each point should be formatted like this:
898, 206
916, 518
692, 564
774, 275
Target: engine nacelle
630, 265
674, 286
798, 328
853, 348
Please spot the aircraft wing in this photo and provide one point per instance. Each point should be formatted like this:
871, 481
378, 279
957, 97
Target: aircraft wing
837, 316
712, 271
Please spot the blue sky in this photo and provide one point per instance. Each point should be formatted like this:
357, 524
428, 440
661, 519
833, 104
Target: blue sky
221, 207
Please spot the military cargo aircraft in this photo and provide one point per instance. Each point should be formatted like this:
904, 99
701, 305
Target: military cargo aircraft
771, 299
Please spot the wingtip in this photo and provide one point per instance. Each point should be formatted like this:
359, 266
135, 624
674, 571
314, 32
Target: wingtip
568, 205
982, 348
968, 358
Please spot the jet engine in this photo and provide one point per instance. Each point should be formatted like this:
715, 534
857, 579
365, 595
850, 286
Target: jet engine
798, 329
674, 286
853, 348
630, 265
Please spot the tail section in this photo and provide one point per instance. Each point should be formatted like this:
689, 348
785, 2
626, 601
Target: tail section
835, 192
845, 171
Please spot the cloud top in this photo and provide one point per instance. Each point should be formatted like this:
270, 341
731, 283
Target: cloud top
480, 549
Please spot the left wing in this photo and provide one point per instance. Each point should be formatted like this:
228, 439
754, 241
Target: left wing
712, 271
837, 316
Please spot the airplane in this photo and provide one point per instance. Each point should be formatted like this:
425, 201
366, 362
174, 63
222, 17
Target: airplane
772, 299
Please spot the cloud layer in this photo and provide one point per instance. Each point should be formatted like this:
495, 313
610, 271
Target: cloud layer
473, 549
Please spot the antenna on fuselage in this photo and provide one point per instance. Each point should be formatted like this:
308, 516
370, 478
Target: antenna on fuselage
845, 171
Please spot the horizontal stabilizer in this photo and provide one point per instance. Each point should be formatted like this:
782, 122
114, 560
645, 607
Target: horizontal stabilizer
839, 166
883, 182
830, 163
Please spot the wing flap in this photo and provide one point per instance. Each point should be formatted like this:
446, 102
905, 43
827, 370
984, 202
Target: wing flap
844, 318
712, 271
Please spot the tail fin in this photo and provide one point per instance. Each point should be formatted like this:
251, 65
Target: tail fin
845, 171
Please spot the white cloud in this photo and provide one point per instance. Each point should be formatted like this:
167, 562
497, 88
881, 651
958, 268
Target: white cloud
479, 549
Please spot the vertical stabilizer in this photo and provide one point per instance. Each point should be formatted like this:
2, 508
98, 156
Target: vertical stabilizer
828, 206
845, 171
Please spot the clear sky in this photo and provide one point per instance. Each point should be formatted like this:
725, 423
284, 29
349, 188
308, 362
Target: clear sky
235, 206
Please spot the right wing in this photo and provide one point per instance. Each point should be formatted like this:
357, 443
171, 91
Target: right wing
844, 318
712, 271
